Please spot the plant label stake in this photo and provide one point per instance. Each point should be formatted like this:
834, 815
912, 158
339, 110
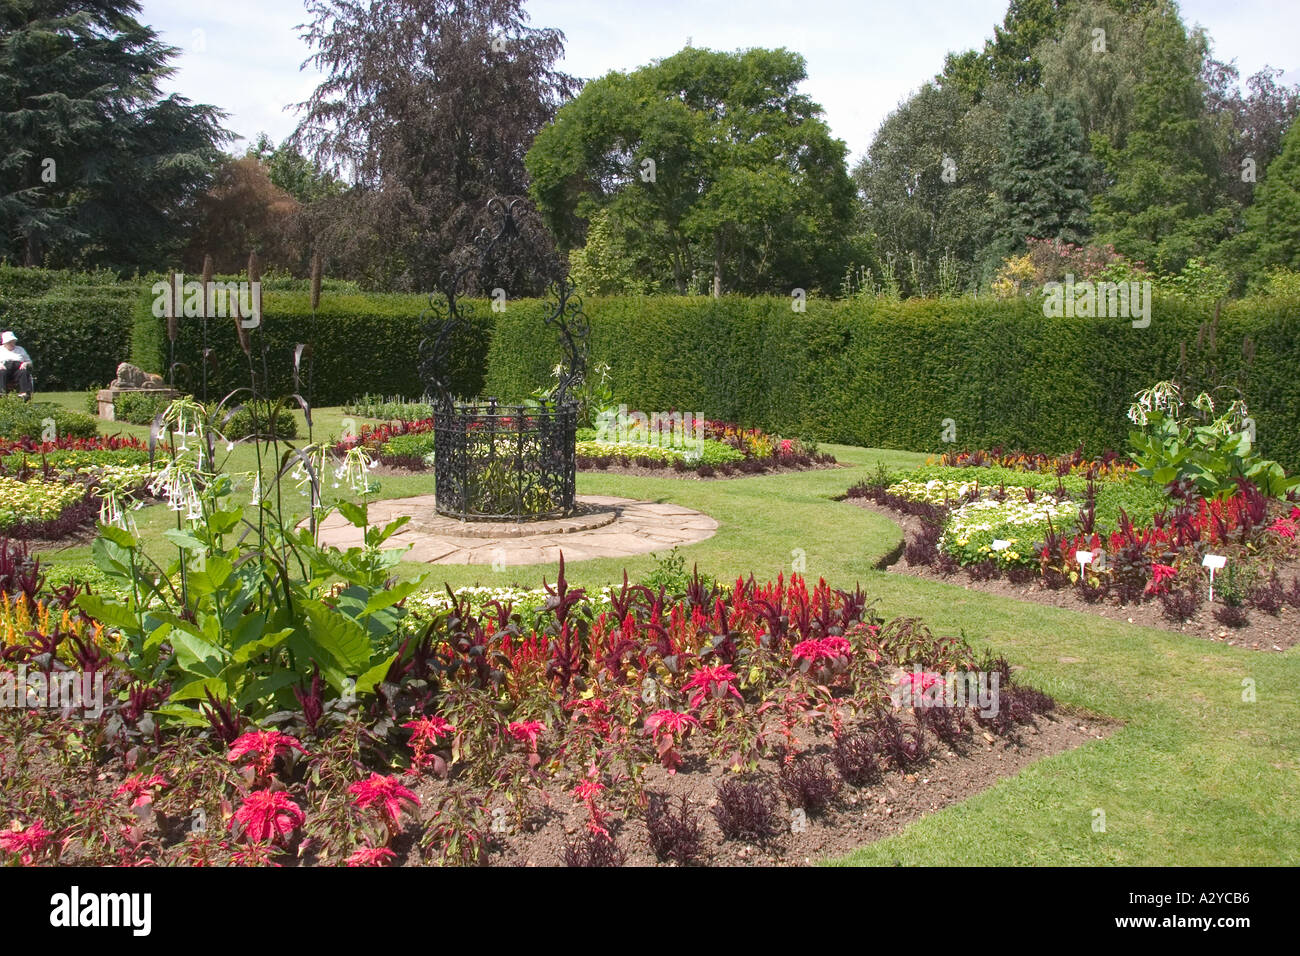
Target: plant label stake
1084, 558
1214, 562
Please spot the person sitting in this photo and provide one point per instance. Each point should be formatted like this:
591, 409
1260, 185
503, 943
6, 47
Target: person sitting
15, 366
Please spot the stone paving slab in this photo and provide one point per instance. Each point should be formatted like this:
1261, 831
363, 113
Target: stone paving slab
608, 527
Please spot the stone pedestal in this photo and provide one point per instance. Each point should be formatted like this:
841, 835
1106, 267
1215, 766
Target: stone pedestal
107, 396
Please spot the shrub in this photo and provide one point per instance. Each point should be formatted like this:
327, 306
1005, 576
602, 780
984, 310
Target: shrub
241, 423
139, 408
408, 450
77, 328
885, 374
19, 419
389, 328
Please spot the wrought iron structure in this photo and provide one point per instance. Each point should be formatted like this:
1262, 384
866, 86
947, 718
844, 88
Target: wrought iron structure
492, 461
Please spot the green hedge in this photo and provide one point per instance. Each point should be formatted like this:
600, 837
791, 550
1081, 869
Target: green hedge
362, 343
75, 337
887, 374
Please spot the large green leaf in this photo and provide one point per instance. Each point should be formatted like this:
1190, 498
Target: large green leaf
109, 613
339, 636
195, 655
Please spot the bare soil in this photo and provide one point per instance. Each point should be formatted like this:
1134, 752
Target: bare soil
858, 815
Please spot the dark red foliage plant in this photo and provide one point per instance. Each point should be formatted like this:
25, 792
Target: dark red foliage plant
747, 810
673, 828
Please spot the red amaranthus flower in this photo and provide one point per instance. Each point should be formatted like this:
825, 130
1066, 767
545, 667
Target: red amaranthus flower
587, 791
386, 793
667, 728
425, 733
371, 856
140, 789
28, 842
822, 649
1161, 575
716, 681
264, 746
527, 731
1286, 527
268, 815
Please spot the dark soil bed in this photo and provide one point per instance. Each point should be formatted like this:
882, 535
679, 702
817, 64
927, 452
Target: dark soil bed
858, 815
1265, 632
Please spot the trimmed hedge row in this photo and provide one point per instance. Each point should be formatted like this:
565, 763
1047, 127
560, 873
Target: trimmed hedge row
76, 336
888, 375
361, 343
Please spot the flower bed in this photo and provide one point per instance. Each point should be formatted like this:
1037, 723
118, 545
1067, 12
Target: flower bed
1148, 543
724, 450
576, 738
48, 489
703, 448
26, 455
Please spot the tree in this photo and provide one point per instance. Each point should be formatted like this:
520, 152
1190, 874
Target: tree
98, 167
705, 161
245, 212
1041, 177
604, 265
1273, 222
1247, 129
427, 108
1165, 204
293, 172
925, 181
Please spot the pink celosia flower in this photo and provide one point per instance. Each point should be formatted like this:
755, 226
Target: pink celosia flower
139, 789
268, 815
28, 842
371, 856
386, 792
264, 746
527, 731
716, 681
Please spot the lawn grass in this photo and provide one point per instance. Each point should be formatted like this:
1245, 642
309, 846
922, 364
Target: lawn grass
1196, 776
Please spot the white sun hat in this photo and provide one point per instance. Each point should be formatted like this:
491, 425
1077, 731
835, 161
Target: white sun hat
8, 337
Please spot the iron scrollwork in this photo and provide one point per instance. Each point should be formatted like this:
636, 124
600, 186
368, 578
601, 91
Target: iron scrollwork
494, 461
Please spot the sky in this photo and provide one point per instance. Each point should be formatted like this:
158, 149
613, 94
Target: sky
864, 56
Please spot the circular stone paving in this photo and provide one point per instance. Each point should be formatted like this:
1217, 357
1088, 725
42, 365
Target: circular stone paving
603, 528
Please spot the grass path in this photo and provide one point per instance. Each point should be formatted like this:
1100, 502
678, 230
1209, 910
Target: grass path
1196, 776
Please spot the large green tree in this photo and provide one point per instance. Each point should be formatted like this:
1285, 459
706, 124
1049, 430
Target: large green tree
97, 167
925, 181
706, 164
1165, 203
